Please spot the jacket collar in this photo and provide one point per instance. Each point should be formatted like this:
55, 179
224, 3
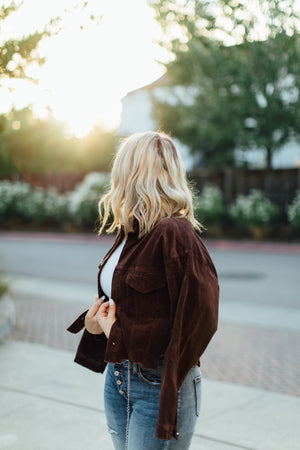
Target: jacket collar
135, 229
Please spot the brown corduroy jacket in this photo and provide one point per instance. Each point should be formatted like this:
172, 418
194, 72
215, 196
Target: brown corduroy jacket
166, 291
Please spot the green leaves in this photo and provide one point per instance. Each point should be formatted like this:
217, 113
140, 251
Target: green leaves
6, 10
293, 212
30, 145
244, 66
15, 55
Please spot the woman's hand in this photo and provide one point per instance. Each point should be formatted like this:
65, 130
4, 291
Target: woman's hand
106, 316
90, 321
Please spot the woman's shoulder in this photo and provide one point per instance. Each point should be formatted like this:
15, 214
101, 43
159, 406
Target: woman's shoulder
177, 239
180, 240
175, 225
176, 230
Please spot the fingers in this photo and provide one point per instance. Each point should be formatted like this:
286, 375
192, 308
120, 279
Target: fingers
106, 316
107, 309
94, 309
103, 310
112, 308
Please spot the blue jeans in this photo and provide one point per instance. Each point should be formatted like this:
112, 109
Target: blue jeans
142, 408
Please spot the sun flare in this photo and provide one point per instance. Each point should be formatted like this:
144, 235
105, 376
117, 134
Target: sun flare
90, 67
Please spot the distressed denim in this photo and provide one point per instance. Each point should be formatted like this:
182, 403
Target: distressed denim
143, 407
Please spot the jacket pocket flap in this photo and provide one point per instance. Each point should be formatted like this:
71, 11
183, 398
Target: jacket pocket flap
145, 282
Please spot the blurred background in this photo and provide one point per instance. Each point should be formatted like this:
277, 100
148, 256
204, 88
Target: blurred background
222, 77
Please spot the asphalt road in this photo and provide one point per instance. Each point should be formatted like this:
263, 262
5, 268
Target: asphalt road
245, 276
258, 339
62, 260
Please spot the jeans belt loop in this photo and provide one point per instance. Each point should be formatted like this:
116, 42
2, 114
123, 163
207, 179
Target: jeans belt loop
135, 368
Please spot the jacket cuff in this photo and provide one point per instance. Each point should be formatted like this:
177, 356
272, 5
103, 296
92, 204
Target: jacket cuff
91, 350
78, 324
166, 432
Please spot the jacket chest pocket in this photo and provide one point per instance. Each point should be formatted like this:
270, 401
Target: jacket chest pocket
148, 292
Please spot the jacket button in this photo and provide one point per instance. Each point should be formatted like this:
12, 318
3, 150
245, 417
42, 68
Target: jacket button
119, 382
117, 373
177, 434
121, 392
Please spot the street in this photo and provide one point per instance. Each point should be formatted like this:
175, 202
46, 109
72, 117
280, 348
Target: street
52, 279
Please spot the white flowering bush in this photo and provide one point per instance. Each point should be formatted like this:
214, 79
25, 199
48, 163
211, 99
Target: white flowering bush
20, 202
254, 209
209, 207
83, 201
293, 212
12, 195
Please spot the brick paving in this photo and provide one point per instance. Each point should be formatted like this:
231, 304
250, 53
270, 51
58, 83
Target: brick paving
45, 322
253, 356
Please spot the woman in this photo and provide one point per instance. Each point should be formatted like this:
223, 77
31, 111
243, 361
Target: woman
163, 295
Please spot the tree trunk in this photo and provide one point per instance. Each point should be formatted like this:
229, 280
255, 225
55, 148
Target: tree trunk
269, 158
269, 173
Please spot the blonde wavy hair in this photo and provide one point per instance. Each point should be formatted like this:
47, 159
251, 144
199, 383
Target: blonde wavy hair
148, 181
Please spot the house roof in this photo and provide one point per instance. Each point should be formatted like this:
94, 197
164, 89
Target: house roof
161, 81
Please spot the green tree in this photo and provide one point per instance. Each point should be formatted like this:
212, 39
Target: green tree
17, 54
32, 145
241, 69
97, 149
7, 166
29, 144
37, 145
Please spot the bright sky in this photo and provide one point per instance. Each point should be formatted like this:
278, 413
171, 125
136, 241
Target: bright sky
87, 71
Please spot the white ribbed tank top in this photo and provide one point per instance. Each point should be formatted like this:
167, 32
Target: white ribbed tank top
107, 271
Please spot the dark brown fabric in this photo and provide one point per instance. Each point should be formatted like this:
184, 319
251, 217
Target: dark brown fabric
166, 291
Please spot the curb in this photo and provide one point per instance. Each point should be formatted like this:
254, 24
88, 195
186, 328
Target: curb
214, 244
7, 315
254, 246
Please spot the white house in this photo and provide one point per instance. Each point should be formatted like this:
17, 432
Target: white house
138, 116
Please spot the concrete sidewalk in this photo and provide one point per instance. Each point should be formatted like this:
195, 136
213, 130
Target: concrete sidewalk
48, 402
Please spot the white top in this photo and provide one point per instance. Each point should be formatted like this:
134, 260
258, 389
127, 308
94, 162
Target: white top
107, 271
